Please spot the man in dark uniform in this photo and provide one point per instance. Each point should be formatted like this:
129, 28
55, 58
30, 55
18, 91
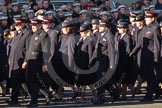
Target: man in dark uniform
36, 59
105, 51
54, 37
17, 55
140, 23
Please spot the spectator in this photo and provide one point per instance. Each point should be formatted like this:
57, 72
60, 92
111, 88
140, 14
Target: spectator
147, 2
138, 5
34, 7
46, 5
122, 12
158, 5
105, 5
15, 9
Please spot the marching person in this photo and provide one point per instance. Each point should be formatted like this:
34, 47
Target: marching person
140, 23
150, 50
54, 37
17, 56
36, 60
124, 47
67, 52
85, 48
8, 36
104, 53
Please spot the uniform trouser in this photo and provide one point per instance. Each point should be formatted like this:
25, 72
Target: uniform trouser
16, 86
25, 88
34, 88
152, 87
112, 89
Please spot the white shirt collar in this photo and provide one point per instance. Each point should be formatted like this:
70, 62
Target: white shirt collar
102, 34
122, 35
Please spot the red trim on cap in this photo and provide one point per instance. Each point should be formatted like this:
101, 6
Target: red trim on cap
104, 23
19, 20
150, 15
36, 22
133, 15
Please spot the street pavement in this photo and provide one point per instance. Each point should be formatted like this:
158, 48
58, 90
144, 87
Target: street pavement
68, 103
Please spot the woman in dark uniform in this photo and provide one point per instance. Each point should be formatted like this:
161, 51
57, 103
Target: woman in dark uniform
8, 36
124, 43
85, 48
67, 51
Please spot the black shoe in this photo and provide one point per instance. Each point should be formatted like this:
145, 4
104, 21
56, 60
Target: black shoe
138, 91
76, 94
133, 94
58, 99
146, 99
123, 99
157, 96
115, 97
12, 103
98, 102
32, 105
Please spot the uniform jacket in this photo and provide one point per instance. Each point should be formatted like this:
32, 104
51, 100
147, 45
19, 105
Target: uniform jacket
19, 47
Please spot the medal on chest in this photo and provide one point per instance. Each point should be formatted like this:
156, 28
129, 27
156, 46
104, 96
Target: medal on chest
36, 38
104, 39
148, 32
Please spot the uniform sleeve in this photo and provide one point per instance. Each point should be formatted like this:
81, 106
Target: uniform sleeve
71, 51
156, 35
29, 35
46, 44
137, 47
111, 51
54, 42
93, 59
128, 46
91, 48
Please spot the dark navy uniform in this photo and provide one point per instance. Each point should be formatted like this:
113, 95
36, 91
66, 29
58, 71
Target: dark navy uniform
85, 48
1, 55
54, 37
105, 53
67, 50
37, 55
150, 50
124, 48
16, 59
